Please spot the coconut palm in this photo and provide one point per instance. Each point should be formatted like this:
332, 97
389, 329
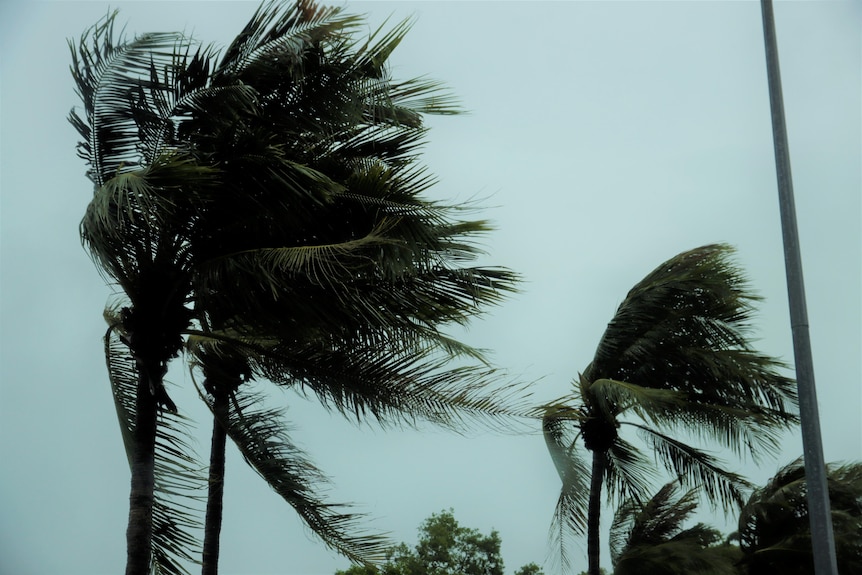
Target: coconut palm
649, 539
774, 530
675, 358
268, 205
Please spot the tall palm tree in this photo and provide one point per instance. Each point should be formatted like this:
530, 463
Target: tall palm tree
675, 358
648, 538
269, 206
774, 530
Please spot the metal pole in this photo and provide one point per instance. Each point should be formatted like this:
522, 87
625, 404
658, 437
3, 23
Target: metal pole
819, 511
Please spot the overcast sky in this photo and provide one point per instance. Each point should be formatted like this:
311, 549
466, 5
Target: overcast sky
607, 136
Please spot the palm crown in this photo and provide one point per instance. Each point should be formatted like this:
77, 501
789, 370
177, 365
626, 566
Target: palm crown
267, 204
675, 358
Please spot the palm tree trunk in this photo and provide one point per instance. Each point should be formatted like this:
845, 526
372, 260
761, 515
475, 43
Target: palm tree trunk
594, 510
212, 526
139, 533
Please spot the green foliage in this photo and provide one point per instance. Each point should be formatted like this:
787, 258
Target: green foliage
263, 206
529, 569
649, 538
445, 548
774, 531
675, 359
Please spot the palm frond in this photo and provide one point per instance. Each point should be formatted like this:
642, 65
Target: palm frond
260, 435
696, 468
178, 480
279, 33
630, 474
109, 73
569, 519
123, 377
612, 398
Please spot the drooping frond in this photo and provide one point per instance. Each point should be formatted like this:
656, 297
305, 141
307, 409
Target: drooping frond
390, 384
569, 520
261, 436
630, 474
178, 480
123, 378
694, 467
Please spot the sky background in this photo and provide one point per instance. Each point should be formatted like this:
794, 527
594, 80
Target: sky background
605, 138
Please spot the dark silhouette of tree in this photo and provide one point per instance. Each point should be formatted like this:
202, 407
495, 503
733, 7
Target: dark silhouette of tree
774, 530
265, 211
674, 359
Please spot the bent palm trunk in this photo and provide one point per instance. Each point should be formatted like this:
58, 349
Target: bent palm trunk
594, 511
139, 533
212, 527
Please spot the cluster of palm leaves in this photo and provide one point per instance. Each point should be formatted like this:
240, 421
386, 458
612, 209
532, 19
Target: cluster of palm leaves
774, 534
774, 531
261, 211
675, 359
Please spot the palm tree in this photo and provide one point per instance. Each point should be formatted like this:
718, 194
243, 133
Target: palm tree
774, 530
269, 207
675, 358
648, 538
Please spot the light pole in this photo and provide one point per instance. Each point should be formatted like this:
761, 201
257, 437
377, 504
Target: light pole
819, 511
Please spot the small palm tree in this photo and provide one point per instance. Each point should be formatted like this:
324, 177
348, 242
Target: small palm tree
648, 538
774, 530
675, 358
267, 208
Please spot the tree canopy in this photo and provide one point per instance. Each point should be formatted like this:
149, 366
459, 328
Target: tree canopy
262, 209
445, 548
675, 362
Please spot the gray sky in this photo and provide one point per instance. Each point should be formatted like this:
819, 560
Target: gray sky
609, 137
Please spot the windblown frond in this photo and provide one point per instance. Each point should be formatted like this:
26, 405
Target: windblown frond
394, 385
630, 474
178, 480
569, 520
261, 436
696, 468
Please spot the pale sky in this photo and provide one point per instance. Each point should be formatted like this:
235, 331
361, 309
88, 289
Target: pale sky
606, 136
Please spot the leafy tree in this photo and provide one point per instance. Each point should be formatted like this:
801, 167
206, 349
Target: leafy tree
265, 210
648, 538
675, 358
445, 548
529, 569
774, 530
